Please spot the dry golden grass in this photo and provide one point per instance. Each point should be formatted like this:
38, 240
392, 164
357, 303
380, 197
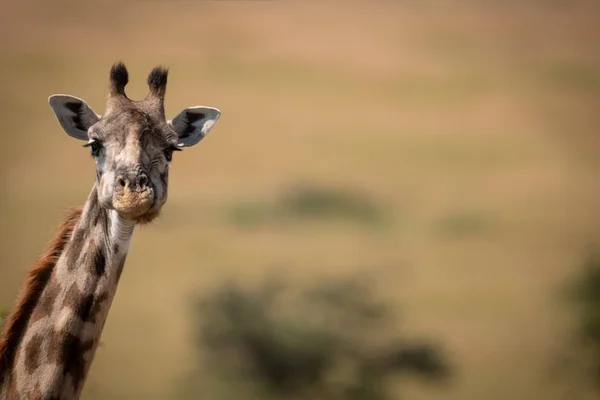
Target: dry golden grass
437, 109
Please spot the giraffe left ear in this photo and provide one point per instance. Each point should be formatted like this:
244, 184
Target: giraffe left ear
74, 115
193, 124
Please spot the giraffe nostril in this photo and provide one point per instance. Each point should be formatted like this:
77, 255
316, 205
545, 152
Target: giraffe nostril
142, 181
121, 182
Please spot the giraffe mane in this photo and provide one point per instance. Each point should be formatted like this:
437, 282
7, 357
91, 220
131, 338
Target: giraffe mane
37, 279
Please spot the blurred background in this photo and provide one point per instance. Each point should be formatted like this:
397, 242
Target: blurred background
400, 200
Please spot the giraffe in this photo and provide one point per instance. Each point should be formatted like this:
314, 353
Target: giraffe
50, 337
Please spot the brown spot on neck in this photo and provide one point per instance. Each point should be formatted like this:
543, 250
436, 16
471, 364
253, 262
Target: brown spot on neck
45, 305
37, 279
99, 261
80, 303
32, 353
68, 351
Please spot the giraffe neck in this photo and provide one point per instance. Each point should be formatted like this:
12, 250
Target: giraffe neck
58, 344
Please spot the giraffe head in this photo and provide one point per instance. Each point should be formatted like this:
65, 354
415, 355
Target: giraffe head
132, 143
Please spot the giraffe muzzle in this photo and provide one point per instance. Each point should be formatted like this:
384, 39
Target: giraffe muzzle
132, 195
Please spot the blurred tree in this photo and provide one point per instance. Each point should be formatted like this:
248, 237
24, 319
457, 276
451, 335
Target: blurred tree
333, 341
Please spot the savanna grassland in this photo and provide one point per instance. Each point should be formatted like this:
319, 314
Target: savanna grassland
471, 127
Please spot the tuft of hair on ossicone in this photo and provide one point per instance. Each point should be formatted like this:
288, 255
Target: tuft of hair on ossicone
157, 82
119, 77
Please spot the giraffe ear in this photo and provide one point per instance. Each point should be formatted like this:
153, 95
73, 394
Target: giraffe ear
73, 114
193, 123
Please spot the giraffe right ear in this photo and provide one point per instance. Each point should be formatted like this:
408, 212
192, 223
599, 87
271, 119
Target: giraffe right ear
74, 115
193, 124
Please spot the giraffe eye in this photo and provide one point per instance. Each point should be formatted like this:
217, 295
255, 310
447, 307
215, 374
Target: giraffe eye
169, 155
96, 146
169, 152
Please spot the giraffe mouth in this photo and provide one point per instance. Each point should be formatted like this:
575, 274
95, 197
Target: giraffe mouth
133, 204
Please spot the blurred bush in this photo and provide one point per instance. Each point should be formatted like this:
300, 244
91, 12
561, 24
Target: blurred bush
586, 294
310, 203
463, 224
332, 341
